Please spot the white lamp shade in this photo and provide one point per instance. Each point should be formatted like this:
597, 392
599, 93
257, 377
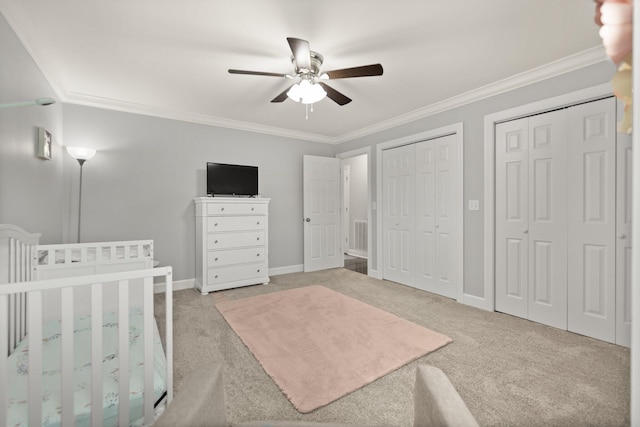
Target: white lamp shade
81, 153
306, 92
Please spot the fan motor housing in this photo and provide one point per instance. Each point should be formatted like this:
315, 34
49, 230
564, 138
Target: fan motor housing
316, 63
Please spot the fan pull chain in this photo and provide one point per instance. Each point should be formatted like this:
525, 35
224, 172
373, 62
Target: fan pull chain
306, 108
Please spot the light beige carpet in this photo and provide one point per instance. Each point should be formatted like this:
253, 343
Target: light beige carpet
319, 345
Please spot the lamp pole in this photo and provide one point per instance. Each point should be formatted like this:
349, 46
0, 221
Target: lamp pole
81, 154
81, 161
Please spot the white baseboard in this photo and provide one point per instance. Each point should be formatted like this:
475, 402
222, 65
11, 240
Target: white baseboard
355, 253
286, 270
178, 285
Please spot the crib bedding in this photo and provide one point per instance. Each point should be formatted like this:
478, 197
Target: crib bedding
18, 372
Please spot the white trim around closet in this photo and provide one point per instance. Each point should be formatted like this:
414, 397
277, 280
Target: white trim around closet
490, 121
454, 129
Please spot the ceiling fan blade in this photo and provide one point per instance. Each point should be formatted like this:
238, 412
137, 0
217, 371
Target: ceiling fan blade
301, 52
334, 95
363, 71
282, 96
257, 73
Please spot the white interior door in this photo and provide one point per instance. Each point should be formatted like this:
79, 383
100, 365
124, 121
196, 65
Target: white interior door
399, 214
512, 217
436, 215
623, 240
592, 217
321, 200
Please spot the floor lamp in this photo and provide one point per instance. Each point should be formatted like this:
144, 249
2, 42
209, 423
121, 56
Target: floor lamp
81, 154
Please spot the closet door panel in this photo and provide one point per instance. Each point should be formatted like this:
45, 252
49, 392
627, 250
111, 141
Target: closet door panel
623, 240
512, 222
547, 204
436, 190
446, 216
425, 215
592, 216
399, 214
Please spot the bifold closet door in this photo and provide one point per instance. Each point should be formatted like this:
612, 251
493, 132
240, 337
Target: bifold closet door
398, 219
592, 219
623, 240
436, 215
531, 191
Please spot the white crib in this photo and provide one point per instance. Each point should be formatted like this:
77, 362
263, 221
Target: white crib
66, 340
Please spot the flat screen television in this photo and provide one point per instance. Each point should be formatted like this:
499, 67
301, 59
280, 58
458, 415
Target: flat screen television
231, 180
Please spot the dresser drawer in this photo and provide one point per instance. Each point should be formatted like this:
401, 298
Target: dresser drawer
235, 240
237, 209
239, 272
235, 256
232, 223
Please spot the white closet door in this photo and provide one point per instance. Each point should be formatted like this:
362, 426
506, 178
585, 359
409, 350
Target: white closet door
399, 214
321, 200
547, 246
623, 241
436, 215
592, 216
512, 222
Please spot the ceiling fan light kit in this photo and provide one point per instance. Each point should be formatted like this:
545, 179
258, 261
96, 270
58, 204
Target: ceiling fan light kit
307, 65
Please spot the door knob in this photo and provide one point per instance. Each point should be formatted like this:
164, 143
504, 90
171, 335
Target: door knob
308, 219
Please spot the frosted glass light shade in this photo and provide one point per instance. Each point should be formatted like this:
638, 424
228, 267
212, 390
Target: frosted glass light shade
306, 93
81, 153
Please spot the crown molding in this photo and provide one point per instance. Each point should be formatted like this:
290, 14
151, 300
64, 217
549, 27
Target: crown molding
570, 63
167, 113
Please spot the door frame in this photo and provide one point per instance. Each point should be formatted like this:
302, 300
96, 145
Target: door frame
354, 153
453, 129
487, 301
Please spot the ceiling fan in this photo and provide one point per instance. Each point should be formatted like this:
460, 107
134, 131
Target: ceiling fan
311, 87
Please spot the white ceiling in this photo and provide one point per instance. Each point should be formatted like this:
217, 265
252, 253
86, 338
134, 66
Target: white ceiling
170, 58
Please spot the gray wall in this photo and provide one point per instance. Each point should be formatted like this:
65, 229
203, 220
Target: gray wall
472, 116
147, 171
32, 190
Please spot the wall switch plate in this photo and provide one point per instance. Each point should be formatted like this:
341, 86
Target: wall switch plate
474, 205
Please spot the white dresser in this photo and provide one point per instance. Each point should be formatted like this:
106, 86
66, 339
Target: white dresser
232, 242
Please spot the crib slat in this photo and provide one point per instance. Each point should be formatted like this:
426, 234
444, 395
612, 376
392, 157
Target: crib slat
66, 330
123, 352
4, 351
149, 395
97, 413
35, 357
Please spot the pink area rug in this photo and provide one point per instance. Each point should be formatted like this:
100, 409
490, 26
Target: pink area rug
319, 345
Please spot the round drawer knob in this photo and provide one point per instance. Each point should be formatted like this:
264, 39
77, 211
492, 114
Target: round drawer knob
221, 209
257, 254
216, 259
258, 223
215, 225
258, 238
258, 271
216, 276
252, 209
215, 241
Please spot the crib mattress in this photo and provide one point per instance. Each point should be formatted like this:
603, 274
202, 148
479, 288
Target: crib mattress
51, 409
